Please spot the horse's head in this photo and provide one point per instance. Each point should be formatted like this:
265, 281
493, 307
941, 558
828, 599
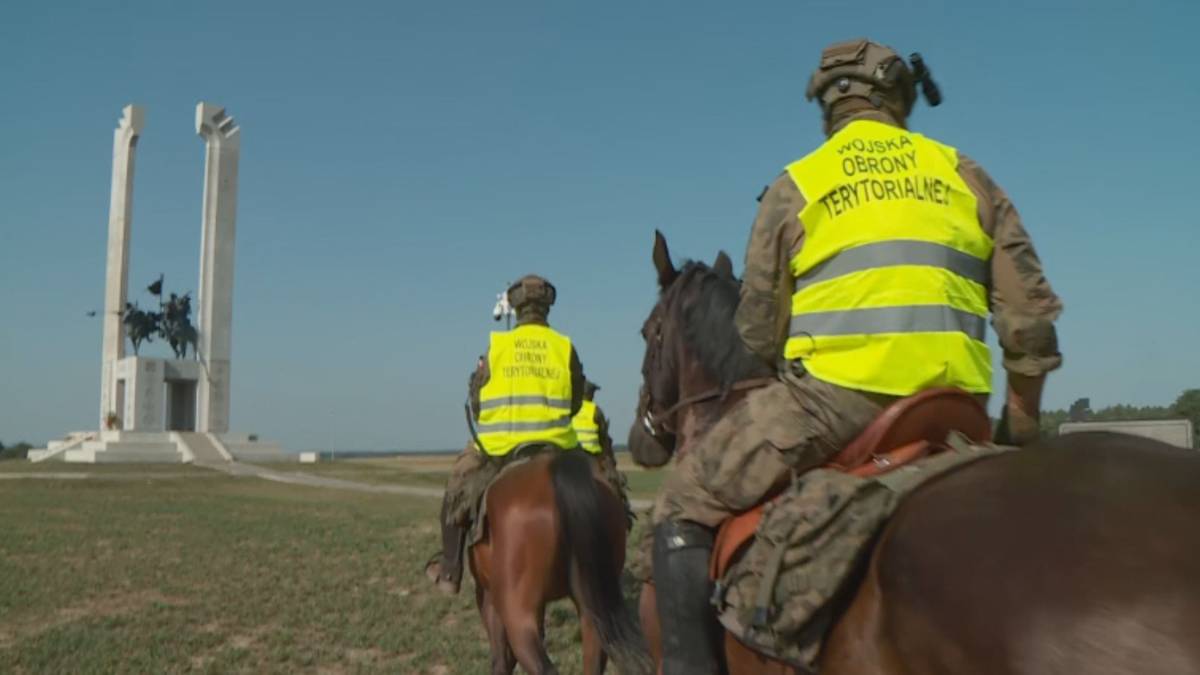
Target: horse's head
692, 350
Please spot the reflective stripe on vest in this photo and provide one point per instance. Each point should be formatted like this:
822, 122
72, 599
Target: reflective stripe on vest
891, 283
586, 429
527, 398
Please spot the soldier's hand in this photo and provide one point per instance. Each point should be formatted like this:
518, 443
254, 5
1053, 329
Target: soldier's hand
1020, 423
1017, 428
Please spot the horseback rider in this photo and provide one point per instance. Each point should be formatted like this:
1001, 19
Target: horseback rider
171, 308
174, 324
590, 425
591, 428
139, 325
872, 265
524, 392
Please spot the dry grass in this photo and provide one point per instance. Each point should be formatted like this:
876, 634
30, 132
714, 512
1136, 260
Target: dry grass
231, 575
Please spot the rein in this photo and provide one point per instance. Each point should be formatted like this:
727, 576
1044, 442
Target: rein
658, 425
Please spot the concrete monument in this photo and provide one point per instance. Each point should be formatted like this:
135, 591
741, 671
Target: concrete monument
170, 409
222, 142
116, 283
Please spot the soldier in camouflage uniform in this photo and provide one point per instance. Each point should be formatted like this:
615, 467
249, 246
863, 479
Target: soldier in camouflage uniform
908, 231
476, 467
591, 427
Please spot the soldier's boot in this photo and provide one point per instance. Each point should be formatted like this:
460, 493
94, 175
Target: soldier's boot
690, 633
445, 569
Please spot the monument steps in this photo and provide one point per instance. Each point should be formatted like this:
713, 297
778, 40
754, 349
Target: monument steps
54, 450
204, 448
150, 450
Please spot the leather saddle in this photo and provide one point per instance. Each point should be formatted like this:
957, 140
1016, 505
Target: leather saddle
913, 427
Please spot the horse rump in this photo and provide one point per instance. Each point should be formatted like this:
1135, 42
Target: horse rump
1076, 555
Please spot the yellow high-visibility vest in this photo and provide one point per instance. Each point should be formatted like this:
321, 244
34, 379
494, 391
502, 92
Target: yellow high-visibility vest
586, 429
890, 292
527, 398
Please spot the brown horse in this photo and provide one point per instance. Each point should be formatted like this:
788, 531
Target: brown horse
1078, 555
554, 529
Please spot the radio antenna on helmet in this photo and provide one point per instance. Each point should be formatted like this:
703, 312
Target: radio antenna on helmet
922, 75
503, 309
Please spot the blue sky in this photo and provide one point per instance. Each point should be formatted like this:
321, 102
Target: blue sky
402, 161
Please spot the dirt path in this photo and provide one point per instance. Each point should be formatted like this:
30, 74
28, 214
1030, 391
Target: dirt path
239, 469
257, 471
308, 479
82, 475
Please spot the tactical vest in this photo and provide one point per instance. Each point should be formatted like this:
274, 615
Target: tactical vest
586, 429
527, 397
891, 283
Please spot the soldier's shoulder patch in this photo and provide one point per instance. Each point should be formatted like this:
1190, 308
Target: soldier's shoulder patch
762, 194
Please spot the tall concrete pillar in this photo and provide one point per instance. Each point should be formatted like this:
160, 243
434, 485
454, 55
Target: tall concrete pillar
222, 141
116, 283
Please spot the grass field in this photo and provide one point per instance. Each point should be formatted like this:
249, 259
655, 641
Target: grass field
141, 569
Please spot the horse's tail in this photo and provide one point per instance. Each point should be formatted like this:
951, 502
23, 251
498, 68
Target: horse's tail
594, 574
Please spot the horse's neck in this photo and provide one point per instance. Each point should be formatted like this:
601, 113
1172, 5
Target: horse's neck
696, 419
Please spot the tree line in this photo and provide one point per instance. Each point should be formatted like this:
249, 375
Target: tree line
1186, 406
15, 451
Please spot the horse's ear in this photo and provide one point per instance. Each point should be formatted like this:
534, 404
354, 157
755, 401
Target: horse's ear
723, 265
662, 262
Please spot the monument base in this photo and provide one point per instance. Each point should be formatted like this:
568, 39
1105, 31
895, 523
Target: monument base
159, 447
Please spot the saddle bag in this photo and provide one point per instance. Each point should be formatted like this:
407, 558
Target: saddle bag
809, 551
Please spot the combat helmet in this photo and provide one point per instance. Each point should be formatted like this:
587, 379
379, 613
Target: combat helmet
531, 290
590, 388
865, 69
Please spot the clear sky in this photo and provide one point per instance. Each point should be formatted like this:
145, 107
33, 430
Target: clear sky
402, 161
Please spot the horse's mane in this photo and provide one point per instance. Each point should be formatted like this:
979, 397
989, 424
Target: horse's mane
706, 308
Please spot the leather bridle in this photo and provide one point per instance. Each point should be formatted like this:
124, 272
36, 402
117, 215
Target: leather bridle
662, 425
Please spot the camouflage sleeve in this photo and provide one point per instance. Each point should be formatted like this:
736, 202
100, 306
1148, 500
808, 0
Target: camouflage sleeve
602, 424
479, 377
577, 382
766, 299
1024, 306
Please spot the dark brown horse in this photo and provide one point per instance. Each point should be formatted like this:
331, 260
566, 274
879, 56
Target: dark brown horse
554, 530
1078, 555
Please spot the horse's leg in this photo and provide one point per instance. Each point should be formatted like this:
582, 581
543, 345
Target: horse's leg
517, 591
503, 660
523, 625
594, 658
